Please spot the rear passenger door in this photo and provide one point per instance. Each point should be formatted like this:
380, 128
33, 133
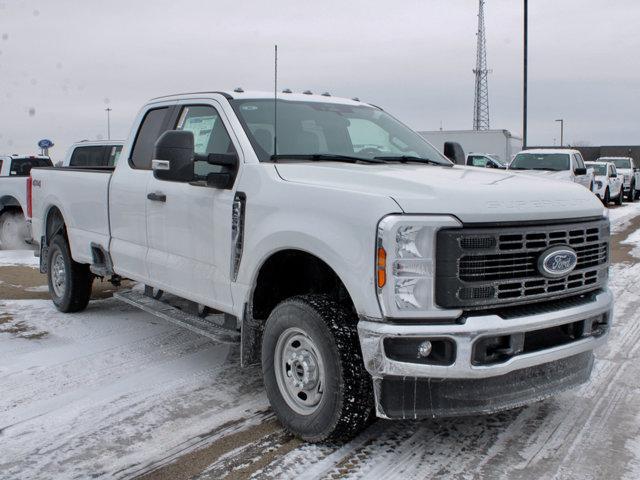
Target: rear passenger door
189, 228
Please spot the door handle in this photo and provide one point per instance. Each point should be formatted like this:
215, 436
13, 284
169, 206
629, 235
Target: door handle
157, 197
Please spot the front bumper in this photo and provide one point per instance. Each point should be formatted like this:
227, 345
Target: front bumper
385, 370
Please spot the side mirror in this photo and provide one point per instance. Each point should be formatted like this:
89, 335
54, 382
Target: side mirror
580, 171
173, 156
454, 152
614, 175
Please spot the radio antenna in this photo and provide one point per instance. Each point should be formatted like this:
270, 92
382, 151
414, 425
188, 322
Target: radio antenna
275, 102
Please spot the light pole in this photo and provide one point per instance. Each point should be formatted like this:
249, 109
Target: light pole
561, 120
524, 71
108, 110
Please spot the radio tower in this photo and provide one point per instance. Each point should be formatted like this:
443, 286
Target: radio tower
481, 101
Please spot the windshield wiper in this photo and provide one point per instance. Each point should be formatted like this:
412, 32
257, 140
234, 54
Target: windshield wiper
411, 158
324, 156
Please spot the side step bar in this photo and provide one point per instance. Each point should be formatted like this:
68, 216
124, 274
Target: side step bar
178, 317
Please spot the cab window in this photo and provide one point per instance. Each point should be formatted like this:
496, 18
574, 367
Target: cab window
89, 156
114, 155
209, 136
153, 125
478, 161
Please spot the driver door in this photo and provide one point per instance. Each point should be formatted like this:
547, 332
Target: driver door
189, 223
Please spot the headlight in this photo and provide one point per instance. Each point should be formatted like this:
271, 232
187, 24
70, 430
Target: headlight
405, 265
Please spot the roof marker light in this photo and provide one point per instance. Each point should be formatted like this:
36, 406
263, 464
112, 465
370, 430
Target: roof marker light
287, 90
308, 92
326, 94
238, 90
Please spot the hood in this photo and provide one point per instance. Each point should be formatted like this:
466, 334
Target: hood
471, 194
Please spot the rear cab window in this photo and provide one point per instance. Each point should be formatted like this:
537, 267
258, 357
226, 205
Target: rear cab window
88, 156
21, 167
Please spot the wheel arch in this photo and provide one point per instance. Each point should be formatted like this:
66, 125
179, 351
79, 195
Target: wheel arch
283, 274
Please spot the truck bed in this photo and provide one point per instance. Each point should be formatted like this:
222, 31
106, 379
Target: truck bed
83, 193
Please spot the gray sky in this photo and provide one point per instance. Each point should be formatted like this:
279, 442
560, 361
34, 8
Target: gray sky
62, 62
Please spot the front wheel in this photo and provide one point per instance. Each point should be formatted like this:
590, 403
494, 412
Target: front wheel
607, 197
619, 198
70, 282
632, 192
313, 370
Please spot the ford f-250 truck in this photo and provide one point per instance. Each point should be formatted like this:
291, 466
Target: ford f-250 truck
14, 183
362, 267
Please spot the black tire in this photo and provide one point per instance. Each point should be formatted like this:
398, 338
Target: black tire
71, 292
346, 402
12, 230
607, 197
619, 199
632, 193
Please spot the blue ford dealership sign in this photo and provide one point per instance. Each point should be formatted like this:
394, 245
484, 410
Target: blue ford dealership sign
45, 143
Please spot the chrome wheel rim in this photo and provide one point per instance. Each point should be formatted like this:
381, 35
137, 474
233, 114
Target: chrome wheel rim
299, 370
58, 274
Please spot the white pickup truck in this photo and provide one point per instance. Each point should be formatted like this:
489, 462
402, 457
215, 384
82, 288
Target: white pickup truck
626, 167
557, 164
14, 182
363, 268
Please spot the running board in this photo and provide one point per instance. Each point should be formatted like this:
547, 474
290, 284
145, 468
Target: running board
176, 316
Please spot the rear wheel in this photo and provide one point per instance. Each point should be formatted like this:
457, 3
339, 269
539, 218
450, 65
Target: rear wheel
313, 370
70, 282
12, 230
631, 196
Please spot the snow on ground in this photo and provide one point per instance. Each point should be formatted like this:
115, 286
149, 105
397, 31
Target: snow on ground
115, 392
622, 215
106, 390
12, 258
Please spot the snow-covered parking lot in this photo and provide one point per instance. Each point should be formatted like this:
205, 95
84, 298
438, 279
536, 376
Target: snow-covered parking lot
114, 392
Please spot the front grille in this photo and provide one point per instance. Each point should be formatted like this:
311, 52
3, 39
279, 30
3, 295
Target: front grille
486, 267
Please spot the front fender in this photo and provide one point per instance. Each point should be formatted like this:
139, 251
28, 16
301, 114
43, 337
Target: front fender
337, 226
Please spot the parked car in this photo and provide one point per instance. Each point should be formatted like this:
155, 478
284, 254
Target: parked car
485, 160
362, 267
607, 184
14, 182
102, 153
558, 164
626, 167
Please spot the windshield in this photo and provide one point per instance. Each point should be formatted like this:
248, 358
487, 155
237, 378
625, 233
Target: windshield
619, 162
598, 168
314, 128
541, 161
21, 167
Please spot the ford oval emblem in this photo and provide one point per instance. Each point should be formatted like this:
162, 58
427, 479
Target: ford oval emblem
557, 261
